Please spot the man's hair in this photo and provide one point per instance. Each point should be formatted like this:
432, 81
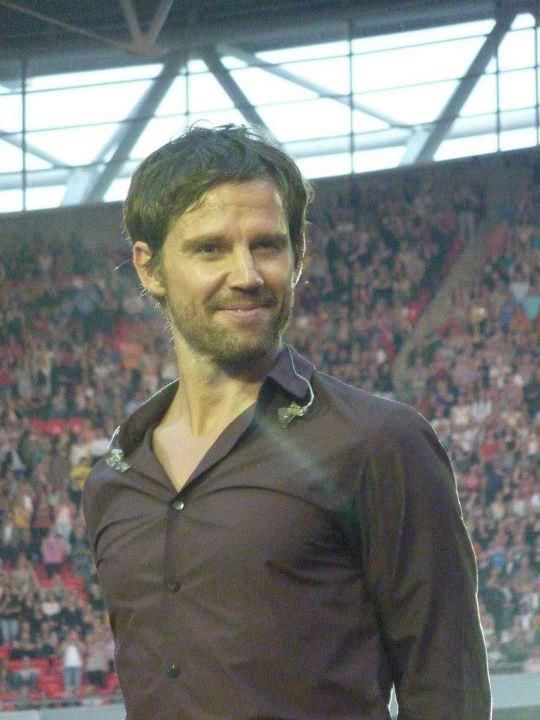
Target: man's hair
177, 175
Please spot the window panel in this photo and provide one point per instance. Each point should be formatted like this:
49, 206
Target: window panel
378, 159
73, 146
363, 122
516, 50
325, 165
197, 66
414, 65
333, 73
118, 190
83, 106
311, 119
10, 112
516, 89
11, 201
205, 93
465, 147
156, 133
521, 138
262, 87
11, 159
483, 98
424, 36
44, 197
90, 77
411, 105
174, 102
523, 20
306, 52
232, 63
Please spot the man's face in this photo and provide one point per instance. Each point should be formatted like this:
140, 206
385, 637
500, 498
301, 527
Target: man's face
227, 272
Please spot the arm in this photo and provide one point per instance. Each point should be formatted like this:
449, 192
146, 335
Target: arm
421, 573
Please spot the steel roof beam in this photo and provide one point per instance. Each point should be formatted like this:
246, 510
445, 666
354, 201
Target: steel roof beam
392, 137
268, 32
128, 134
17, 141
232, 89
426, 140
320, 90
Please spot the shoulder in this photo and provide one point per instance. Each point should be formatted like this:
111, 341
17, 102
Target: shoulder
373, 416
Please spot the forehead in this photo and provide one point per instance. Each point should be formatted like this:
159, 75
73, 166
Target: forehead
255, 201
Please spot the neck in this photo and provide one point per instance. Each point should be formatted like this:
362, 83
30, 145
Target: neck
209, 395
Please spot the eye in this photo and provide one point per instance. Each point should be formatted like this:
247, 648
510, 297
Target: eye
209, 248
270, 244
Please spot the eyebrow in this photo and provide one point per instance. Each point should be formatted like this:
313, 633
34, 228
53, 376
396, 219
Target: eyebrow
195, 242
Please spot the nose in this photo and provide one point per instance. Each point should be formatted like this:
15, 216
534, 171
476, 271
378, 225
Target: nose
244, 273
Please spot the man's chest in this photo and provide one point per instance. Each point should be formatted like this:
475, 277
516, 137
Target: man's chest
253, 514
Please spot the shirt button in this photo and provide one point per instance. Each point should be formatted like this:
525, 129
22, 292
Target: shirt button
173, 586
173, 671
178, 504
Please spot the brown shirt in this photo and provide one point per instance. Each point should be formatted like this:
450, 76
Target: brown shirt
300, 572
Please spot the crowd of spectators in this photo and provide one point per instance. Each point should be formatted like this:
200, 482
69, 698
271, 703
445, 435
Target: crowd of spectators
80, 348
476, 377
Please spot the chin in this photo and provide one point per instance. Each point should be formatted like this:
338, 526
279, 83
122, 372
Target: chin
245, 356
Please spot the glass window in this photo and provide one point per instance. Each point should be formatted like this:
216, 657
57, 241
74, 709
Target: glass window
483, 98
521, 138
411, 105
118, 190
10, 111
205, 93
331, 73
418, 37
83, 105
90, 77
11, 200
306, 52
413, 65
11, 158
516, 89
523, 20
310, 119
516, 50
262, 87
325, 165
44, 197
467, 146
174, 102
232, 63
363, 122
377, 159
73, 146
156, 133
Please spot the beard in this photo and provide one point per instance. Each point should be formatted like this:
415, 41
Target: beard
234, 348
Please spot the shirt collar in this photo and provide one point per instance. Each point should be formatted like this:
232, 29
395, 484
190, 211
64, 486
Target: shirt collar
291, 372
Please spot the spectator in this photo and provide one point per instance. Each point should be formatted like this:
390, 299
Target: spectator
53, 552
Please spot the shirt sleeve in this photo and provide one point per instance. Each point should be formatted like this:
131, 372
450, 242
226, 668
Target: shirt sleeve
421, 573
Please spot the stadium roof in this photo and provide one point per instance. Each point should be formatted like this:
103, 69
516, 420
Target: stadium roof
88, 88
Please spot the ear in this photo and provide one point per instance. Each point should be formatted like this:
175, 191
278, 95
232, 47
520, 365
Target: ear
149, 272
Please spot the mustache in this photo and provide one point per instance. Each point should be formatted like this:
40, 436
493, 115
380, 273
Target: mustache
242, 299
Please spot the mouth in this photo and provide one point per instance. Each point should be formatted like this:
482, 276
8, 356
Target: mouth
246, 312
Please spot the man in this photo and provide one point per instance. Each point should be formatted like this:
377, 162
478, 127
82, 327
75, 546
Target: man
271, 543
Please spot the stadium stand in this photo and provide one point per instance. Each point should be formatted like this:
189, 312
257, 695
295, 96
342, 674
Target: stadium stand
80, 348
